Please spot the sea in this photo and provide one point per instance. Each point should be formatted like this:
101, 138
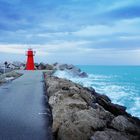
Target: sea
120, 83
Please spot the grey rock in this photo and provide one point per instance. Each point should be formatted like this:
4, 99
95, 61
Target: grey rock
68, 131
9, 76
90, 118
79, 113
83, 75
63, 66
87, 96
41, 66
18, 64
121, 123
22, 68
109, 134
113, 108
49, 67
101, 96
75, 71
69, 67
55, 64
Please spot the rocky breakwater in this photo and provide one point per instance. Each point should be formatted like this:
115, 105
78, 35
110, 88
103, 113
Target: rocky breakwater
70, 69
9, 76
81, 114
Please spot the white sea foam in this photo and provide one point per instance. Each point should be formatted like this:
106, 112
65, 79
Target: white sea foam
119, 93
135, 110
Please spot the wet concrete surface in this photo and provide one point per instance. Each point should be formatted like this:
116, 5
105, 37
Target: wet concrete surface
23, 114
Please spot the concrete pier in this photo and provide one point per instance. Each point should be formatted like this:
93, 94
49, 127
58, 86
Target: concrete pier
23, 114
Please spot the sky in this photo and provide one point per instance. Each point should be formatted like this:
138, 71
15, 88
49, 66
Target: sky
92, 32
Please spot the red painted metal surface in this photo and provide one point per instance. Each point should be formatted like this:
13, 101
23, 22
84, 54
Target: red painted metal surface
30, 60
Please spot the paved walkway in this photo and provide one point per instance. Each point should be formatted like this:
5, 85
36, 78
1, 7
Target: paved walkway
22, 109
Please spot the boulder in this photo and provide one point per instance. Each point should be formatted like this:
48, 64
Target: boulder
87, 96
36, 65
49, 67
121, 123
76, 103
63, 110
90, 120
92, 90
75, 71
18, 64
12, 66
110, 134
80, 114
69, 67
22, 68
55, 64
63, 66
101, 96
9, 76
83, 75
113, 108
41, 66
68, 131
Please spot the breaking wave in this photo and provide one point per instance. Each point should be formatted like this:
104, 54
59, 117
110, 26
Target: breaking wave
120, 93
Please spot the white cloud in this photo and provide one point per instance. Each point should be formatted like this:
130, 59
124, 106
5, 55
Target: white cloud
13, 49
121, 4
124, 26
56, 46
72, 52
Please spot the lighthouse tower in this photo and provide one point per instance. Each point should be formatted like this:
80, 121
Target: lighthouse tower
30, 59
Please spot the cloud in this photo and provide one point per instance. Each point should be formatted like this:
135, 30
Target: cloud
123, 26
128, 12
55, 47
75, 30
124, 34
72, 52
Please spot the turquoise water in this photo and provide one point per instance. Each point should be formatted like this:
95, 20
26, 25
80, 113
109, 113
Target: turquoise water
120, 83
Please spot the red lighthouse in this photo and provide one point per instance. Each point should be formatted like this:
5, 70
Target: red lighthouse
30, 59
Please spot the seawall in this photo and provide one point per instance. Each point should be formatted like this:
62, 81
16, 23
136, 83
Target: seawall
81, 114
